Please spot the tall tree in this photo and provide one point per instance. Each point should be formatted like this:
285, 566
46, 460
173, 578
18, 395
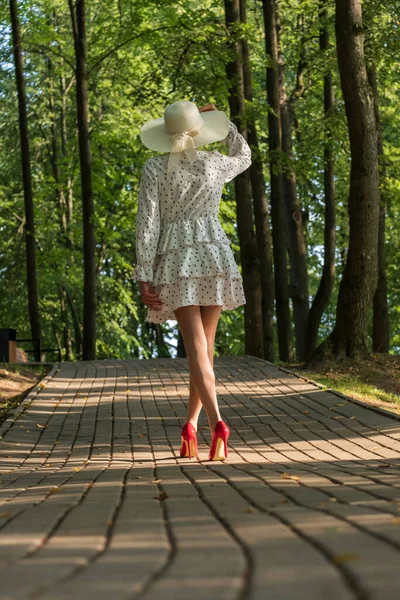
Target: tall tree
245, 218
260, 204
77, 11
360, 277
295, 226
321, 299
380, 323
34, 316
279, 232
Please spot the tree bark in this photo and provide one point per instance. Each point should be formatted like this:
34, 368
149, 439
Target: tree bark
277, 206
360, 277
326, 283
67, 342
77, 11
260, 203
33, 304
295, 226
380, 324
244, 210
64, 152
77, 324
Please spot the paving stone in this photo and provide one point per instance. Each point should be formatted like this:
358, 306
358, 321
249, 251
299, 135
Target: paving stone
95, 501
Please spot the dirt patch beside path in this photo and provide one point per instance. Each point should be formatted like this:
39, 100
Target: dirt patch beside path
16, 381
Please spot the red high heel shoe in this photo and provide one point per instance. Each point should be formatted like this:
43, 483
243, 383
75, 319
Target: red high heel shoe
189, 441
219, 444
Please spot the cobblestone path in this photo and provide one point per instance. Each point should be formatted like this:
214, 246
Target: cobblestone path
96, 503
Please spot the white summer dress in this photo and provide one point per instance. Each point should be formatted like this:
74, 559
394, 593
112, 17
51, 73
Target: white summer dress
181, 247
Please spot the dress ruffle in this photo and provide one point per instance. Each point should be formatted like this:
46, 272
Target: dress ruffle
221, 290
204, 260
205, 228
195, 265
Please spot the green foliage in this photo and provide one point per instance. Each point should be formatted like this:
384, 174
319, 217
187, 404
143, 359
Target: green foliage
142, 56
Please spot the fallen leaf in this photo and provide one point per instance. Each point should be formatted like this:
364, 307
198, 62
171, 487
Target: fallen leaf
5, 514
161, 496
41, 426
346, 557
251, 509
287, 476
396, 520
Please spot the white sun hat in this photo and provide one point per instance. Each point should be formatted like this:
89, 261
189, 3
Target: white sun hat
182, 129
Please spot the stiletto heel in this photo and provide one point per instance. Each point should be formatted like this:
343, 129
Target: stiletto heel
189, 441
219, 444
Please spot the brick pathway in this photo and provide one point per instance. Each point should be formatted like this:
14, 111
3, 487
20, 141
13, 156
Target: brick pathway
97, 505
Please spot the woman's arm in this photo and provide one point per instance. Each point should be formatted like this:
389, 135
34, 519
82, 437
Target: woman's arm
239, 158
147, 225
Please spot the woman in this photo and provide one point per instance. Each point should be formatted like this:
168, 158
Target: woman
185, 265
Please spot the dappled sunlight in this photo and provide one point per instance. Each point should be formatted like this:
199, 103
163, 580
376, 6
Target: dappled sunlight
92, 479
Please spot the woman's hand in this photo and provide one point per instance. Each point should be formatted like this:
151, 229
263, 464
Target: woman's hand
207, 107
149, 296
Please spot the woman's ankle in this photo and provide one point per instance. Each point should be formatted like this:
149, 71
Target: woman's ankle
212, 423
192, 422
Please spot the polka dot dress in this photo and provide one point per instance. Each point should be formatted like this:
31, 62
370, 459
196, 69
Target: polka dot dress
181, 247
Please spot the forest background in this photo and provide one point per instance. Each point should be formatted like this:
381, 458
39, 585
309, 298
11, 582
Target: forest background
277, 68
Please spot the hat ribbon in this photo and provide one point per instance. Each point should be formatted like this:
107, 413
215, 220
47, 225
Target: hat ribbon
182, 142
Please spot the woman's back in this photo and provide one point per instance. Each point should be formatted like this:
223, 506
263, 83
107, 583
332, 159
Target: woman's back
181, 246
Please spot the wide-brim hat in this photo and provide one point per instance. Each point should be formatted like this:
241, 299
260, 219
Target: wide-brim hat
183, 127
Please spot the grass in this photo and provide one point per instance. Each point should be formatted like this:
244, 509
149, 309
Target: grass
375, 381
16, 381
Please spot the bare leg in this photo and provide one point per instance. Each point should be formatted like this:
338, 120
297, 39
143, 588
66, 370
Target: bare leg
198, 325
210, 316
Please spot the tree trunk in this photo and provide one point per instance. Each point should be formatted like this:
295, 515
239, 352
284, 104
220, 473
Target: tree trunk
180, 347
245, 220
360, 277
295, 225
260, 203
162, 346
90, 301
54, 159
77, 324
380, 326
277, 206
63, 127
34, 316
67, 342
325, 287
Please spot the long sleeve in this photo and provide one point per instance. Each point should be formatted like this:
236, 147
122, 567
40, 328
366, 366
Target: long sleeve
147, 225
239, 158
